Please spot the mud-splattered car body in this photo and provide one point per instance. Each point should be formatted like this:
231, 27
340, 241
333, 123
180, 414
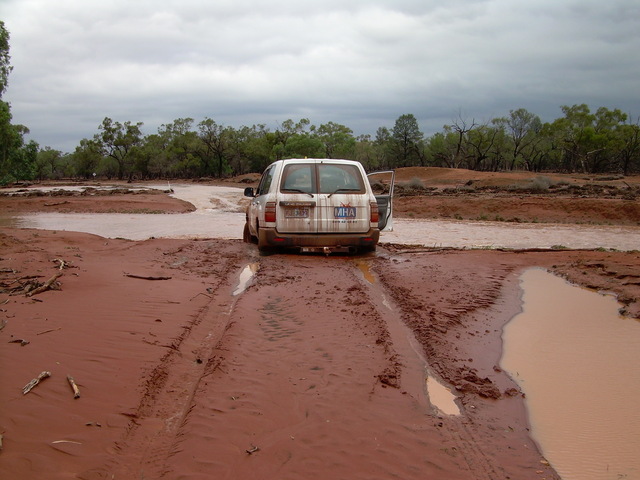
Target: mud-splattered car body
317, 205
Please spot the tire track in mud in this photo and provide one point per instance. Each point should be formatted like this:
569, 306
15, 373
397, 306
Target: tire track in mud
467, 444
303, 374
152, 434
310, 384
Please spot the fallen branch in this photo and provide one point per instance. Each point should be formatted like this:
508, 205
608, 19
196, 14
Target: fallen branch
55, 204
27, 388
49, 284
21, 341
74, 387
144, 277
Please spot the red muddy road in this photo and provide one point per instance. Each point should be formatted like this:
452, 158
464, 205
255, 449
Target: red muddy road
305, 374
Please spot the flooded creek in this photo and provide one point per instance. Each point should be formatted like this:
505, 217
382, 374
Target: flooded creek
578, 362
220, 214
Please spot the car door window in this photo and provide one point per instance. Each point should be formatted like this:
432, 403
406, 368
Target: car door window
265, 182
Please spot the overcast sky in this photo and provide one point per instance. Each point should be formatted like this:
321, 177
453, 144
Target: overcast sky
355, 62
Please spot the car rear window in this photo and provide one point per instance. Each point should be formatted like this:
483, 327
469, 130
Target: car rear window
298, 177
322, 178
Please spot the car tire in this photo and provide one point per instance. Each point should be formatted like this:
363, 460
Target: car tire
263, 246
246, 234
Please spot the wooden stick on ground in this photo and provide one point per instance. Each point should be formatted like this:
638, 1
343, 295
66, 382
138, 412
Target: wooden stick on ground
76, 391
144, 277
27, 388
47, 285
49, 331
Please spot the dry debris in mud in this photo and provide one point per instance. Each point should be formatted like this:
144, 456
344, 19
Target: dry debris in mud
28, 285
29, 386
74, 386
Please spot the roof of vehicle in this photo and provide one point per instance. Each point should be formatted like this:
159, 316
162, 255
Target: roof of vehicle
317, 160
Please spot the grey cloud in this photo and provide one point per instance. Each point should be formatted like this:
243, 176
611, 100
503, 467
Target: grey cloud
361, 63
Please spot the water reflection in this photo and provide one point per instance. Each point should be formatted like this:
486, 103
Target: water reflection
441, 397
246, 276
578, 361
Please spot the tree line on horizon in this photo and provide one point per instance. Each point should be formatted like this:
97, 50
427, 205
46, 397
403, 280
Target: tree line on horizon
604, 141
580, 141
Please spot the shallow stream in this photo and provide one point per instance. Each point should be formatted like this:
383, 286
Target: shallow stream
220, 214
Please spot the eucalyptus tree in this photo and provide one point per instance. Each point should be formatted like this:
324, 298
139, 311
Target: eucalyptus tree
603, 156
49, 163
407, 137
216, 139
252, 148
458, 131
291, 138
337, 139
523, 129
301, 145
180, 147
481, 143
628, 147
86, 158
17, 160
586, 140
5, 65
382, 148
117, 141
365, 152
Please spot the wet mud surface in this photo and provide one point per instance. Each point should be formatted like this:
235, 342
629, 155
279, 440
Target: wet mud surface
117, 200
296, 375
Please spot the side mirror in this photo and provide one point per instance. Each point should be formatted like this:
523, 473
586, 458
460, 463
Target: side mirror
248, 192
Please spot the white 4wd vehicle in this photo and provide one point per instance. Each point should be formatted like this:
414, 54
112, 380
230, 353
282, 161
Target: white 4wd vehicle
321, 205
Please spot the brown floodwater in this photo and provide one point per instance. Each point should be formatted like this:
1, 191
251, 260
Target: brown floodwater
220, 214
578, 362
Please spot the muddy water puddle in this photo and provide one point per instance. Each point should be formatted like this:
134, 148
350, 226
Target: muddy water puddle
246, 277
578, 362
441, 396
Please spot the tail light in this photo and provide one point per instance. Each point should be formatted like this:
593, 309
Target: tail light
270, 212
374, 212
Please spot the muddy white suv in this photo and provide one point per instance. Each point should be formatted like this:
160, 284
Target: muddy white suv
322, 205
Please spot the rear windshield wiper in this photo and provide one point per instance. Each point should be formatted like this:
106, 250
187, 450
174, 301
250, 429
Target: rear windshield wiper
344, 190
297, 190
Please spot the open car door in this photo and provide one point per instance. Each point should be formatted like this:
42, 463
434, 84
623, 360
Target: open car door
382, 184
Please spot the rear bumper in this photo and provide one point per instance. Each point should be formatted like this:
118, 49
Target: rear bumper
269, 236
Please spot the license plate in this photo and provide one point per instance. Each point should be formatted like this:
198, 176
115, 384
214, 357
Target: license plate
344, 212
298, 212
